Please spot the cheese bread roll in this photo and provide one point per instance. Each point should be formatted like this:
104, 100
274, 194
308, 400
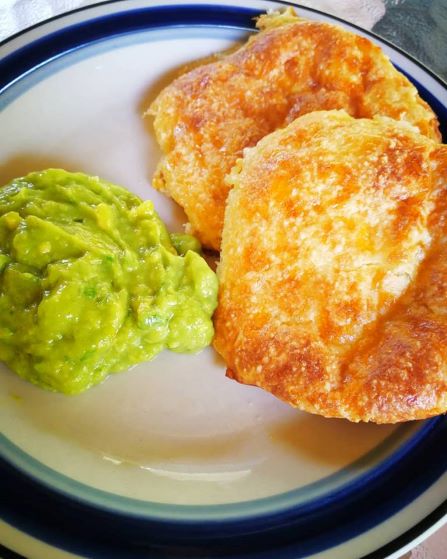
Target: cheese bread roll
333, 273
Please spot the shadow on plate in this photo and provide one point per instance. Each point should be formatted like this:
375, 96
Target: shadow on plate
25, 163
329, 441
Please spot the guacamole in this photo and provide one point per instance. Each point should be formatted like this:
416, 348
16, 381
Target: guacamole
91, 283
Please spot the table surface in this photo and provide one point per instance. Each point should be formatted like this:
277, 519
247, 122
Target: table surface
417, 26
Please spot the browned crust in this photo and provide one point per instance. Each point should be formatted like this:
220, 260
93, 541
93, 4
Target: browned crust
205, 118
326, 335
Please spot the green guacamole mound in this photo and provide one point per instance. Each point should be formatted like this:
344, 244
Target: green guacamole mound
90, 282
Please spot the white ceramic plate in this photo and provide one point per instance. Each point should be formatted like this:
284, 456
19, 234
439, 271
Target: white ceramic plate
172, 454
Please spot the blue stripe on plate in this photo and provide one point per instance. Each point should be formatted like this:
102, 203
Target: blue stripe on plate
6, 553
303, 501
293, 531
79, 528
75, 36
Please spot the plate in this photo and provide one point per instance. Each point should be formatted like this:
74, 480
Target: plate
172, 459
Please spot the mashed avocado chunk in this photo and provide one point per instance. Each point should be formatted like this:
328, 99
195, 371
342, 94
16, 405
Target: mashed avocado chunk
90, 282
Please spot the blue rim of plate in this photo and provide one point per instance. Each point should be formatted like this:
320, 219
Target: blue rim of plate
292, 531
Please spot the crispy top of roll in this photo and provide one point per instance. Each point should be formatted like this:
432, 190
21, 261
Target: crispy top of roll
334, 269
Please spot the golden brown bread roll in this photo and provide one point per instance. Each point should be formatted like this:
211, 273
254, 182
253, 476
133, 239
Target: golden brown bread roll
205, 118
333, 273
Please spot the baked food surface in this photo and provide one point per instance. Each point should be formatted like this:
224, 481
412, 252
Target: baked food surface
333, 273
206, 117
